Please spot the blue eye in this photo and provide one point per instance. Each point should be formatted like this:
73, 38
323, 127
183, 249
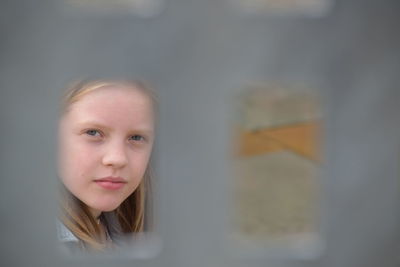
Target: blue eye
92, 132
137, 137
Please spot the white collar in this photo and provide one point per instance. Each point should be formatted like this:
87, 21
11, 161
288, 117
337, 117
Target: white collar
64, 234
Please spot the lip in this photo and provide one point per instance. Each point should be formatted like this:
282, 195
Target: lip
111, 183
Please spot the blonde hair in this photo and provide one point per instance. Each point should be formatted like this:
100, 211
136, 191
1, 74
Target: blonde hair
74, 214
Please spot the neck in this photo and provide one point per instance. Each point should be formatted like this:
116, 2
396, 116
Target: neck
95, 213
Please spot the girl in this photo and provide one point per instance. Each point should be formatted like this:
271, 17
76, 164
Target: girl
106, 135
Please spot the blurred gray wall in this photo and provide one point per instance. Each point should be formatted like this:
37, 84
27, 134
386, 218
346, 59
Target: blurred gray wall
195, 53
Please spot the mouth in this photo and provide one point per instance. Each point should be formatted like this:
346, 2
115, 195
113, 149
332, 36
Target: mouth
111, 183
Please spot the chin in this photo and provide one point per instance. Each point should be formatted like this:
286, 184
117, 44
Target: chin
108, 206
107, 209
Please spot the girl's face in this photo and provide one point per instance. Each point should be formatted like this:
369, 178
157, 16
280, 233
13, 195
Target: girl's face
106, 138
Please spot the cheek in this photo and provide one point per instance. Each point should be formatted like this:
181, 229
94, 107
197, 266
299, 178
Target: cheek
74, 161
139, 163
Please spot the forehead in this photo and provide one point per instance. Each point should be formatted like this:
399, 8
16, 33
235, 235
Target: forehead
123, 105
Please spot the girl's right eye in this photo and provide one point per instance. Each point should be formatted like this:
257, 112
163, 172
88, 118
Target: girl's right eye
93, 132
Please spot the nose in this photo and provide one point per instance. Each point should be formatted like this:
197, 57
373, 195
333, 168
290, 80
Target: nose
115, 156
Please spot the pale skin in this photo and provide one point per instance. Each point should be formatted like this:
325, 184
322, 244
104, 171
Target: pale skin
106, 135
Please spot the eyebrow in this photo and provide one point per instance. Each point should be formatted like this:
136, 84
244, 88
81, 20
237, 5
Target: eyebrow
96, 124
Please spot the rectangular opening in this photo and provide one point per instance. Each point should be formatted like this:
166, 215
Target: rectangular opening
106, 194
284, 7
141, 8
276, 164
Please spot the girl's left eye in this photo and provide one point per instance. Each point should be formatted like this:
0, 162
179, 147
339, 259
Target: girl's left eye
136, 137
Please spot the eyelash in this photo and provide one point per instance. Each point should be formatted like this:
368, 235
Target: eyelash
136, 137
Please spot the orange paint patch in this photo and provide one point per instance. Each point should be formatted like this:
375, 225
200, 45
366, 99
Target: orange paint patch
256, 144
302, 139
